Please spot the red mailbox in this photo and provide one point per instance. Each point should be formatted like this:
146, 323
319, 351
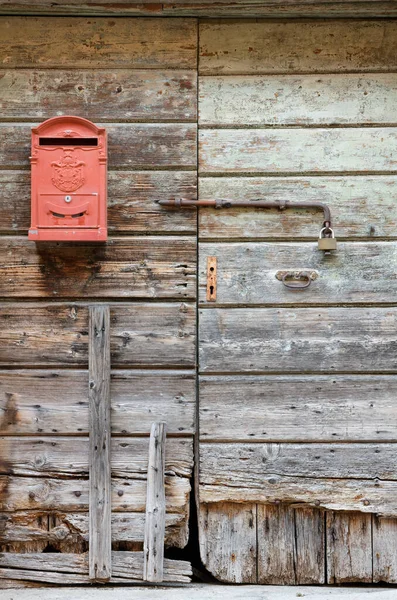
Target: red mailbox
69, 167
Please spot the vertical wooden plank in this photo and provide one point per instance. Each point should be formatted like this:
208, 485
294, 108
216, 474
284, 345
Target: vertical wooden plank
276, 545
155, 506
349, 547
100, 474
384, 550
228, 541
310, 546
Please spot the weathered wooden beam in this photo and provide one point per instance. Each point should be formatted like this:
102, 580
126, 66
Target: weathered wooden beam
100, 540
349, 547
153, 548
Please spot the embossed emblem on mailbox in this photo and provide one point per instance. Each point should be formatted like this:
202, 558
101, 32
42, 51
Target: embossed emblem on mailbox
69, 160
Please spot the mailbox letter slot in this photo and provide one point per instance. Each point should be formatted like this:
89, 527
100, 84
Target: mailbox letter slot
69, 184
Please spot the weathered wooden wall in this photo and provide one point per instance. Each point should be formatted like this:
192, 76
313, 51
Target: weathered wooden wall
297, 416
146, 95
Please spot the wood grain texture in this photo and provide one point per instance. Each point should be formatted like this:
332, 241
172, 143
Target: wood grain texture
384, 534
57, 334
228, 546
132, 201
149, 146
298, 340
356, 272
153, 545
361, 150
100, 537
360, 206
297, 100
235, 47
301, 407
48, 402
98, 43
145, 267
349, 547
73, 568
276, 545
98, 95
310, 546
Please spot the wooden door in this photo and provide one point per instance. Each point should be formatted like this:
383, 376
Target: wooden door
297, 389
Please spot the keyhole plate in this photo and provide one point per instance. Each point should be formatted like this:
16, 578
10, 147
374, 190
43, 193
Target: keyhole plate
211, 279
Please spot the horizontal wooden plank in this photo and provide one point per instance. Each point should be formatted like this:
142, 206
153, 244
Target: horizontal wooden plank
132, 201
235, 47
98, 95
297, 100
70, 495
131, 146
64, 457
360, 206
98, 43
294, 340
306, 408
144, 267
332, 476
22, 528
57, 334
361, 150
125, 565
45, 402
356, 272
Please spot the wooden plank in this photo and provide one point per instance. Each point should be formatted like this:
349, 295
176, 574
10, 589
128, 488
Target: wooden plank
22, 531
153, 548
132, 201
384, 550
72, 495
100, 537
131, 146
297, 100
74, 567
98, 43
360, 206
310, 546
361, 150
294, 340
57, 334
228, 541
107, 95
276, 545
356, 272
235, 47
298, 408
145, 267
48, 402
349, 547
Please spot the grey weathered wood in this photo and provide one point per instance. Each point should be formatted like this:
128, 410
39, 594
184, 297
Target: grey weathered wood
384, 532
99, 94
349, 547
360, 206
228, 546
100, 537
56, 334
56, 402
298, 407
130, 146
145, 267
310, 546
354, 149
73, 568
276, 545
153, 549
242, 47
297, 100
357, 272
132, 201
298, 340
96, 43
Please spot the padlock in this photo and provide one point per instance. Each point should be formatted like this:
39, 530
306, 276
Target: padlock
326, 244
